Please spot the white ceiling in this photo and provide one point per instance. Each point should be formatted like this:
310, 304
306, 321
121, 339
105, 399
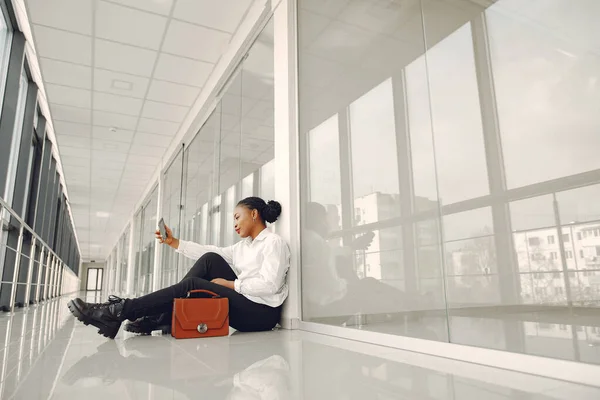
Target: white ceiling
120, 77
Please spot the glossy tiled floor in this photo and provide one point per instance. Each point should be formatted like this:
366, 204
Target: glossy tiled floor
48, 355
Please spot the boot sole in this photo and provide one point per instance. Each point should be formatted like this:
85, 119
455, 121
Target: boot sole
103, 329
164, 329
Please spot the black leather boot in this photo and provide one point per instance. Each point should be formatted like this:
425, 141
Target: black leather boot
147, 325
107, 317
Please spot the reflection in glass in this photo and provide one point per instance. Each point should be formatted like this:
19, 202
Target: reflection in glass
421, 149
545, 75
457, 118
373, 139
461, 137
324, 161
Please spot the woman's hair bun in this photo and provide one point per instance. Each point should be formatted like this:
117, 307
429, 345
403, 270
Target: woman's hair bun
272, 211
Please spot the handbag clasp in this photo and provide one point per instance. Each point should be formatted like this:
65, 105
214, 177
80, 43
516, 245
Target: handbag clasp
202, 328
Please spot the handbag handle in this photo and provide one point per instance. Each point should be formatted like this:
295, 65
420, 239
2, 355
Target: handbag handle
213, 294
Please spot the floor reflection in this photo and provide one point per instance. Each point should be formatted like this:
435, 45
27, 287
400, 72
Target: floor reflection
45, 355
554, 332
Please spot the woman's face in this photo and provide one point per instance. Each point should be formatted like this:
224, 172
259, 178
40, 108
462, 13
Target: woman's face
243, 220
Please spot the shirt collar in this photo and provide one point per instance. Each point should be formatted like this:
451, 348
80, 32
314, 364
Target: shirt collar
261, 236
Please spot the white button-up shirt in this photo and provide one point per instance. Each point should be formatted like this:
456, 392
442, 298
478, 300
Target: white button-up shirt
260, 265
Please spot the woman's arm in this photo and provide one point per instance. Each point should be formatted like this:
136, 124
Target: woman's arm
271, 278
194, 250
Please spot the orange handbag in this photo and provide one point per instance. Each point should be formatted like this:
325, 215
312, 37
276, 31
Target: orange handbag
196, 317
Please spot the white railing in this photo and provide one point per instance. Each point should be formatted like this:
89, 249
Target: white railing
58, 278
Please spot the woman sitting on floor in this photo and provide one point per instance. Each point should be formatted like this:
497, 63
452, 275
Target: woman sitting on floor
251, 274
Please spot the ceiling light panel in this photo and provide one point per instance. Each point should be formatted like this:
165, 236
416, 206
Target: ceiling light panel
120, 84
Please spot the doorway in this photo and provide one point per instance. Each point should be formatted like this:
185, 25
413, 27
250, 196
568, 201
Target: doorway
94, 279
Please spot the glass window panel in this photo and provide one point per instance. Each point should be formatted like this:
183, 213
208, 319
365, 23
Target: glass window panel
468, 224
215, 218
267, 181
579, 204
230, 138
424, 180
374, 157
257, 123
124, 254
545, 77
457, 118
532, 213
324, 163
471, 266
138, 247
248, 186
200, 172
5, 37
92, 276
171, 209
354, 68
16, 139
100, 279
230, 236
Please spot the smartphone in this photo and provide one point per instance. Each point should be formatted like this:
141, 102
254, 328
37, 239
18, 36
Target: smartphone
162, 229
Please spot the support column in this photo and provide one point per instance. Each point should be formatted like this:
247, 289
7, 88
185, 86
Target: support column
287, 168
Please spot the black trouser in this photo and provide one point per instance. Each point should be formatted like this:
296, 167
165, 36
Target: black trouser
244, 314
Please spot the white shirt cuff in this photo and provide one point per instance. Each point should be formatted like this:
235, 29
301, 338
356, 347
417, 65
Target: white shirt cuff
181, 248
237, 285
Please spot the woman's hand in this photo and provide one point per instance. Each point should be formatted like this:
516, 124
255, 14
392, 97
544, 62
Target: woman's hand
170, 240
224, 282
